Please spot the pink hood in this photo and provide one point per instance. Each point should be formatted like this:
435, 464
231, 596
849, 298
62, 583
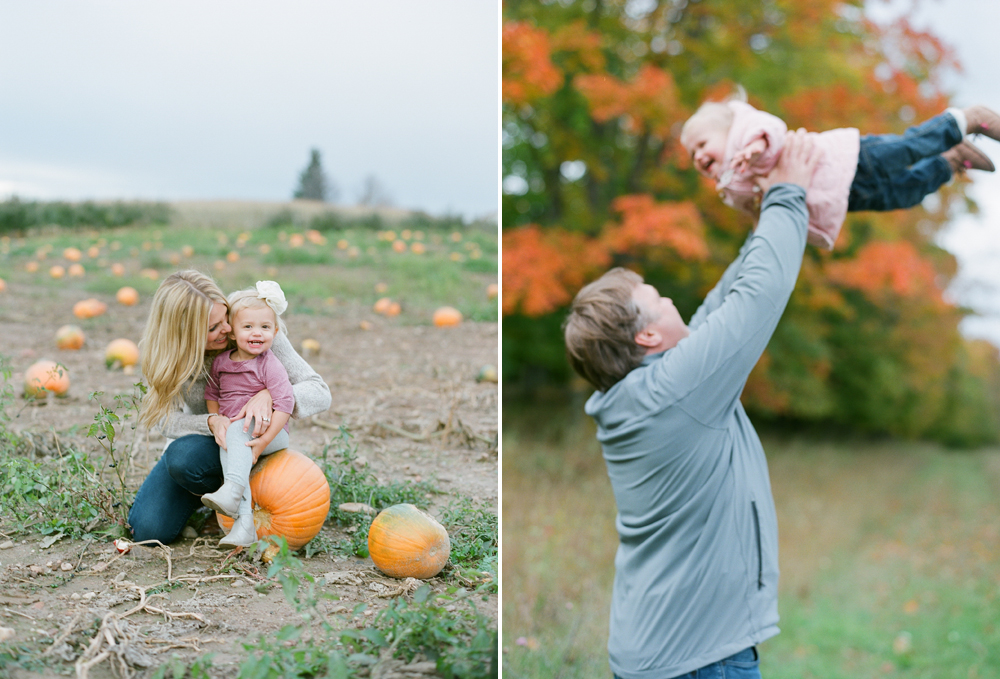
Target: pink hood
827, 193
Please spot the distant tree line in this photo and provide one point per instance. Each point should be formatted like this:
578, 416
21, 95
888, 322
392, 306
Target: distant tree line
17, 216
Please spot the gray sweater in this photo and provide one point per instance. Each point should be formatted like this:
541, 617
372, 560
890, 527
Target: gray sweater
312, 395
696, 573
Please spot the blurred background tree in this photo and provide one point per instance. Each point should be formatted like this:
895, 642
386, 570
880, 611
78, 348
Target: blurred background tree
313, 182
594, 93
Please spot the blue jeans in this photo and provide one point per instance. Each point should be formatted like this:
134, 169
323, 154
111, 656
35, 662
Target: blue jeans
896, 172
742, 665
188, 469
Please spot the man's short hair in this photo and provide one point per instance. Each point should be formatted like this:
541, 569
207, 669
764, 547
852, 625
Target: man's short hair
601, 328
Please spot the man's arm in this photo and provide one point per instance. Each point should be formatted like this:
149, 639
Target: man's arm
707, 370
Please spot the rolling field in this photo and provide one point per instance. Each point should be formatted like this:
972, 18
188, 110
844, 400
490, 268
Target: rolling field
889, 555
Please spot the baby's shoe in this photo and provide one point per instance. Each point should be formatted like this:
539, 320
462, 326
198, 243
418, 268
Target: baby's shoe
243, 534
226, 500
965, 156
982, 120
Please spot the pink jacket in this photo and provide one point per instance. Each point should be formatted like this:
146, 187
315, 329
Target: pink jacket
827, 193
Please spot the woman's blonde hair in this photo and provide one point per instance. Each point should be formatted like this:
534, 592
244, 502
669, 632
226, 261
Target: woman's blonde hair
248, 299
173, 342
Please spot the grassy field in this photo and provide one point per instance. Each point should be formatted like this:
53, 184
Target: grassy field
420, 262
889, 553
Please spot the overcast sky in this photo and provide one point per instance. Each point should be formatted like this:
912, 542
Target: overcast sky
971, 28
224, 99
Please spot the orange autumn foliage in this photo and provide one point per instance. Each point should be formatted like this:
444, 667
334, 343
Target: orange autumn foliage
648, 102
883, 268
542, 270
648, 224
527, 68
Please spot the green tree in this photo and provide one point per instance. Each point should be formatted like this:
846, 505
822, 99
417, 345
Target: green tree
313, 182
594, 93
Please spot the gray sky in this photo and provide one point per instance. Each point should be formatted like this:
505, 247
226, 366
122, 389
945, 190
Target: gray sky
224, 99
970, 27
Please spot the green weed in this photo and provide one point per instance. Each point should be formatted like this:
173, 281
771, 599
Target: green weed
354, 482
109, 427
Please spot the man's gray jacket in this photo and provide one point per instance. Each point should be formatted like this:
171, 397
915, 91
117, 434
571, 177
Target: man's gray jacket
696, 573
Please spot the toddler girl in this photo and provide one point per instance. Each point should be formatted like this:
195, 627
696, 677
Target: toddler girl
234, 378
731, 142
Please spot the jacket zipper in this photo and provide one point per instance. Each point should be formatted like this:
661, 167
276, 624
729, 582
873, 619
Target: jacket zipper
760, 554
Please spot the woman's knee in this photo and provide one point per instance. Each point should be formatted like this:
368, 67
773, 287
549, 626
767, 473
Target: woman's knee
193, 462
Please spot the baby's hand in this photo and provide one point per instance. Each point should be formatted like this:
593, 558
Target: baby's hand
257, 447
748, 155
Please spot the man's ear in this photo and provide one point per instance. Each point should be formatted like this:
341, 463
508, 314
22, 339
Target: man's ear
648, 338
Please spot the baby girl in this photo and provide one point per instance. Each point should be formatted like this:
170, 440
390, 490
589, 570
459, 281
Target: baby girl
732, 142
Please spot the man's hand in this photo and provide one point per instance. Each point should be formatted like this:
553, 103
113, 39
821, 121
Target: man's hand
798, 161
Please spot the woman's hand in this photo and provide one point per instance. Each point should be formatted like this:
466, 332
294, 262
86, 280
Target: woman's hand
218, 424
260, 408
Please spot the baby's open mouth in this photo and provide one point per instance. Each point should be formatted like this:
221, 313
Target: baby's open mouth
256, 343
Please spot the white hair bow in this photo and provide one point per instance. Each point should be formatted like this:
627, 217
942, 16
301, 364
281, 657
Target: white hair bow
271, 293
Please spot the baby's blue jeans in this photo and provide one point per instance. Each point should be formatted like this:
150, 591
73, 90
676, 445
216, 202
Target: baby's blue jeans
898, 171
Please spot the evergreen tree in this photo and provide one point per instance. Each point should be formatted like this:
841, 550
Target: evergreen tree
313, 182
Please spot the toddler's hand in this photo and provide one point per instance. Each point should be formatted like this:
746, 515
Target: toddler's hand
745, 157
257, 447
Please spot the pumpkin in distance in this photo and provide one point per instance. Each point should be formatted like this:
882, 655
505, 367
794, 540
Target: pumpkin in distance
447, 316
121, 352
405, 542
45, 376
69, 337
89, 308
291, 498
127, 296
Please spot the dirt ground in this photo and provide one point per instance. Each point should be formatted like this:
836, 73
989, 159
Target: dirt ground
392, 384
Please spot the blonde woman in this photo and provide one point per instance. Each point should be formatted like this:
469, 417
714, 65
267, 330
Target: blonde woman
186, 330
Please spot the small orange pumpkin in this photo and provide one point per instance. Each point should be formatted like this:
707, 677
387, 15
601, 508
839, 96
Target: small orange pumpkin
405, 542
45, 376
69, 337
72, 254
492, 290
121, 352
76, 269
127, 296
3, 285
57, 271
88, 308
291, 498
447, 316
382, 305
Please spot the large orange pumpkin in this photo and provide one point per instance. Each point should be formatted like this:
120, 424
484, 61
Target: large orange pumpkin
69, 337
291, 498
405, 542
45, 376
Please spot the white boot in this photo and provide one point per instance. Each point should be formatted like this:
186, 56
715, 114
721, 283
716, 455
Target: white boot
243, 534
226, 500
